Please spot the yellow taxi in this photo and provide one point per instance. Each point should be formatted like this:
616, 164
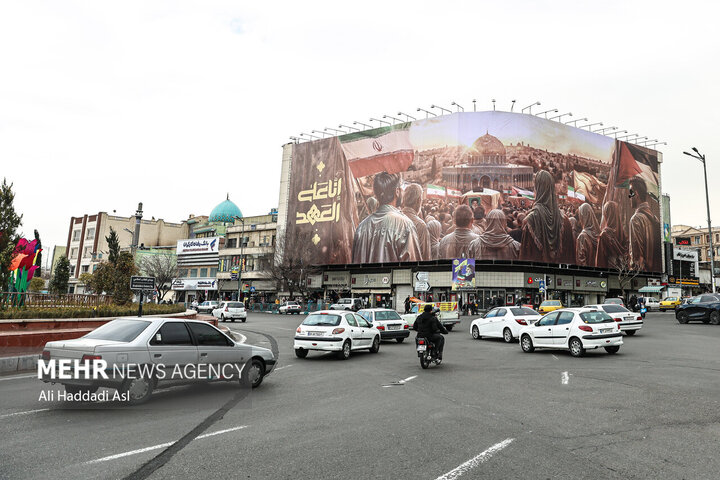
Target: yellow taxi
549, 305
669, 303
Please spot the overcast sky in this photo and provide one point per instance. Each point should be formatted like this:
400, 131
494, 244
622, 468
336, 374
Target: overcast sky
175, 104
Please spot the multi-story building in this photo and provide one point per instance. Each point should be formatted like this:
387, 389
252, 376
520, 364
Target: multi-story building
233, 240
249, 242
697, 238
87, 245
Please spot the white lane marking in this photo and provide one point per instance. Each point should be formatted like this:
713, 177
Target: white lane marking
555, 357
157, 447
475, 461
132, 452
17, 377
219, 432
24, 413
565, 378
399, 382
286, 366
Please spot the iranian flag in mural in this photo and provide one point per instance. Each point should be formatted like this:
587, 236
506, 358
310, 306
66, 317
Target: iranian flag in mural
435, 191
519, 192
454, 193
385, 149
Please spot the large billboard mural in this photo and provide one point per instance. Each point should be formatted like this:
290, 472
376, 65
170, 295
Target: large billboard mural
481, 185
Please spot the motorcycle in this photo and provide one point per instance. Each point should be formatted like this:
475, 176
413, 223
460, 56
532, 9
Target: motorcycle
426, 352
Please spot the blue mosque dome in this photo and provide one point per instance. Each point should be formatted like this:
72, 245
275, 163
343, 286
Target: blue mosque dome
227, 211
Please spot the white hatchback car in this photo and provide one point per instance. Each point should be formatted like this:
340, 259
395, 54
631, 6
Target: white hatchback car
628, 321
335, 331
574, 329
388, 322
503, 322
230, 311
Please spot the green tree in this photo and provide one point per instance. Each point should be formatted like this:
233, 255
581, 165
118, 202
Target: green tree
124, 269
9, 223
36, 284
101, 280
59, 282
113, 246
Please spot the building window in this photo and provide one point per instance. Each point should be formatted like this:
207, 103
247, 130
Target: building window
182, 273
213, 272
73, 252
90, 233
193, 272
697, 240
85, 268
87, 252
76, 235
231, 243
203, 272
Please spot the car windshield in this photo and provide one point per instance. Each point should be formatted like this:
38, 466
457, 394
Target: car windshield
596, 317
550, 303
670, 299
517, 311
236, 305
387, 315
322, 320
345, 300
613, 300
614, 308
119, 330
694, 300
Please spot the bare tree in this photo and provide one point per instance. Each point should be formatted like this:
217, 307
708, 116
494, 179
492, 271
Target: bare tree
625, 269
292, 264
162, 266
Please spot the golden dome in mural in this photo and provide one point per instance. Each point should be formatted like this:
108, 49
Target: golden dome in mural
489, 145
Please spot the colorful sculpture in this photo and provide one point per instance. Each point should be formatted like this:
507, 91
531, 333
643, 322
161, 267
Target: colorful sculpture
23, 266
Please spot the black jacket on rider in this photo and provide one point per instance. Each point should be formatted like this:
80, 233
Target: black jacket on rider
427, 325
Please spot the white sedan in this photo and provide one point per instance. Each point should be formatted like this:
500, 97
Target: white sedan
627, 321
388, 322
503, 322
574, 329
230, 311
335, 331
139, 355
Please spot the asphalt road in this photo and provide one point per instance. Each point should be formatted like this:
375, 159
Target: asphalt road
489, 411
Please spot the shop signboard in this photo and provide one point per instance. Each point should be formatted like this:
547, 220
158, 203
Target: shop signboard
194, 284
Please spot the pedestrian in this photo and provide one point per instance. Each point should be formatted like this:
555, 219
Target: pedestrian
407, 304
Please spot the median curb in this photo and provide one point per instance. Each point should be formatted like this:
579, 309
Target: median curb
18, 363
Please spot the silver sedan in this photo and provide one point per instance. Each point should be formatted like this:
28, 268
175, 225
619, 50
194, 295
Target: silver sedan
137, 355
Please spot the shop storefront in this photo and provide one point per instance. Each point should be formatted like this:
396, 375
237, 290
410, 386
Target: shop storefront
374, 288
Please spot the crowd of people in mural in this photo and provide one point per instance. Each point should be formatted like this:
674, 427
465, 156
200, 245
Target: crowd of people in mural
402, 225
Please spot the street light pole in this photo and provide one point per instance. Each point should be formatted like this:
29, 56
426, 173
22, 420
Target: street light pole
701, 157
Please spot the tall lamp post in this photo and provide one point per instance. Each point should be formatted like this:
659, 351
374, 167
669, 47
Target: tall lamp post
701, 157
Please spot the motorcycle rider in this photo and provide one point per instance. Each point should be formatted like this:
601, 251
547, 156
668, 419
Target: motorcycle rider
428, 326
